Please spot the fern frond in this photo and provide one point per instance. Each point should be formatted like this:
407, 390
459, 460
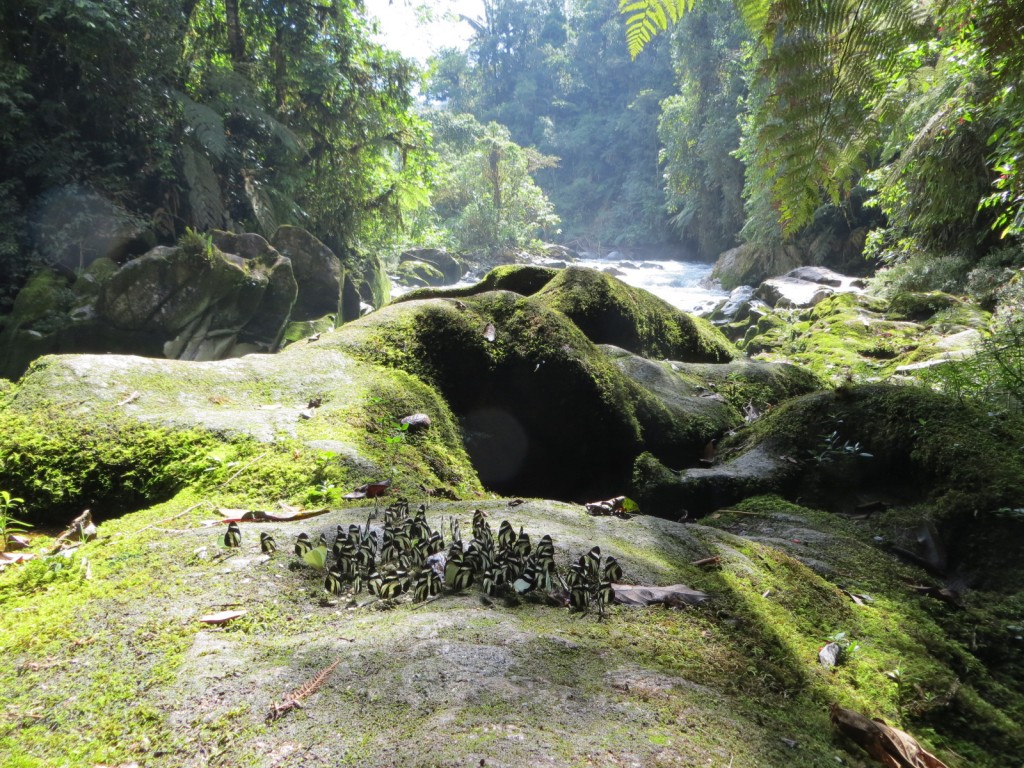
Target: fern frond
206, 123
755, 14
646, 18
203, 190
261, 204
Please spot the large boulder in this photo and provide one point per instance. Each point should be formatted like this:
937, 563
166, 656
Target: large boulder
419, 274
366, 283
864, 450
114, 432
545, 410
319, 274
450, 268
210, 300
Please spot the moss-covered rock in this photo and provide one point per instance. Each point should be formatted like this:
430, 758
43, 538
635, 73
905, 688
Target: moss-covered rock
610, 312
449, 266
851, 337
917, 307
459, 680
115, 433
545, 411
42, 304
523, 279
958, 468
419, 274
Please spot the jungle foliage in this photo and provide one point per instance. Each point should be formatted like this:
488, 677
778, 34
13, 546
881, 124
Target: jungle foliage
124, 122
484, 197
912, 104
558, 76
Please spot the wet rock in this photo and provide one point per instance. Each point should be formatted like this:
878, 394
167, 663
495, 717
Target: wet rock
806, 287
419, 274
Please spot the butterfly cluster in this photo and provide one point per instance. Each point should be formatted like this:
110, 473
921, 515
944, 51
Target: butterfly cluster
406, 556
590, 582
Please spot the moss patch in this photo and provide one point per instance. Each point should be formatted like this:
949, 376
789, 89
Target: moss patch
610, 312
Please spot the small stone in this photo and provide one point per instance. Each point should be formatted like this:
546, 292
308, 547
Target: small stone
417, 422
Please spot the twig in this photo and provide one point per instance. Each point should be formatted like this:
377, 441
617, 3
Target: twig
169, 519
242, 469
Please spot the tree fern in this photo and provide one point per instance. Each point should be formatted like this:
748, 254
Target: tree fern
204, 194
819, 71
646, 18
261, 204
205, 123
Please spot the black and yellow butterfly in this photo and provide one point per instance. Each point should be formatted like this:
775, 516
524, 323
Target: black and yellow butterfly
592, 564
428, 584
436, 543
267, 544
374, 582
458, 574
481, 528
522, 544
233, 536
303, 544
493, 581
605, 596
506, 535
395, 583
579, 597
527, 580
343, 549
396, 512
612, 570
334, 582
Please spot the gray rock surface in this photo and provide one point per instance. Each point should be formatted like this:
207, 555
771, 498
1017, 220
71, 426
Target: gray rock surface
319, 274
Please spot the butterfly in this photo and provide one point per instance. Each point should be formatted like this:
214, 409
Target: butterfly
428, 584
302, 544
334, 583
233, 536
267, 544
458, 574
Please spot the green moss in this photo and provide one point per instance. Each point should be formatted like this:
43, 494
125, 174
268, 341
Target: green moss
298, 330
905, 660
610, 312
524, 279
419, 273
42, 304
921, 306
62, 463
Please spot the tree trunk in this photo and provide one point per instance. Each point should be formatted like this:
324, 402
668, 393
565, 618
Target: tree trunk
280, 68
236, 40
